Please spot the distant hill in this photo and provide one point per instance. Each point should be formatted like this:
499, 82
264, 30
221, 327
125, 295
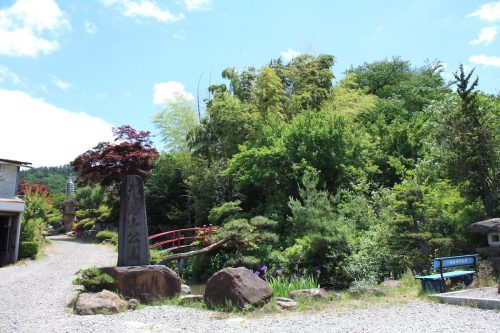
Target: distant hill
54, 177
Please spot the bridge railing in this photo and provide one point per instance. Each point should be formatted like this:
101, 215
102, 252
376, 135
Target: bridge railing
175, 239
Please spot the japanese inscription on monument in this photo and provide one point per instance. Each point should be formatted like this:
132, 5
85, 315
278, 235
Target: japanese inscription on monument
133, 232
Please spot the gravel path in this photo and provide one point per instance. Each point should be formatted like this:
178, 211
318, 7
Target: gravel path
33, 298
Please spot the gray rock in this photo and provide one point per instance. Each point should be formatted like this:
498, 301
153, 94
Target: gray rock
238, 286
358, 291
191, 298
390, 283
104, 302
308, 293
185, 289
286, 303
146, 283
133, 304
483, 227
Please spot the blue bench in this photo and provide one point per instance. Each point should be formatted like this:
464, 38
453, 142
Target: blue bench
437, 282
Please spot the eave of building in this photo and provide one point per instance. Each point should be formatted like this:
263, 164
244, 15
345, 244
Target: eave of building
11, 205
13, 162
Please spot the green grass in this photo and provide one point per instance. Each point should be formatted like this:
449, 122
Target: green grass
409, 291
283, 285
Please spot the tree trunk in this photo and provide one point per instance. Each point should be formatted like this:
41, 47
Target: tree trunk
208, 249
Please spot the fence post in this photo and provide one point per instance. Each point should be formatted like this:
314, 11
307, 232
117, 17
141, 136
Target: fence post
203, 242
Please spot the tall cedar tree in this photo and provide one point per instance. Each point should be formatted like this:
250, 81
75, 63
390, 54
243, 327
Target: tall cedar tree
107, 163
473, 161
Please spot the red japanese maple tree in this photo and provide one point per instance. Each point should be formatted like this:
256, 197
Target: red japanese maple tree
107, 163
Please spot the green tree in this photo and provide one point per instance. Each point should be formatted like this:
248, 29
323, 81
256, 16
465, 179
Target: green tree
471, 143
229, 123
167, 193
175, 122
269, 94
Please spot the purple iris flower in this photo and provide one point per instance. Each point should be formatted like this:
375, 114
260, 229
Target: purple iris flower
318, 270
295, 277
279, 271
257, 273
263, 268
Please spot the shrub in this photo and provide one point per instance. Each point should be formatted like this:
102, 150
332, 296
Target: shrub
155, 256
94, 280
79, 225
484, 276
107, 235
28, 249
89, 224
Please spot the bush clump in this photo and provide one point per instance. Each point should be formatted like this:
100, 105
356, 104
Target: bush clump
94, 280
28, 249
107, 235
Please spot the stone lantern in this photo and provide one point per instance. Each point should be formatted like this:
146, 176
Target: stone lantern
490, 228
68, 209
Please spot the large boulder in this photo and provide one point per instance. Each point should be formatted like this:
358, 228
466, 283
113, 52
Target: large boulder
104, 302
238, 286
145, 283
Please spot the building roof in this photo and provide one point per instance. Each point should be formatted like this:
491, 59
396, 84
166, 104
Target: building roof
18, 163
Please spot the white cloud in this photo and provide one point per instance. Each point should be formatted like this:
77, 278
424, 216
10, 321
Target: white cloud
486, 36
169, 91
44, 134
90, 27
29, 27
488, 12
144, 8
198, 4
180, 35
7, 75
492, 61
63, 85
290, 54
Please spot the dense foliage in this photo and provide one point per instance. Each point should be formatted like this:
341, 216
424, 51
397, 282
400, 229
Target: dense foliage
38, 208
365, 179
360, 180
53, 177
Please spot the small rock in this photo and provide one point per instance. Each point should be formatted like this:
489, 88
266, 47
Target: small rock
191, 298
286, 303
185, 289
133, 304
367, 290
104, 302
308, 293
390, 283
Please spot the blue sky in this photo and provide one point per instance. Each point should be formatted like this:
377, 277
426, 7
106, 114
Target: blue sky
70, 70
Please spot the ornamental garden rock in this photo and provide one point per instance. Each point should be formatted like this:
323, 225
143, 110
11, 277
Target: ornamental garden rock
238, 286
104, 302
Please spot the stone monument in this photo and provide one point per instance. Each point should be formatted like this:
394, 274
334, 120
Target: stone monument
133, 247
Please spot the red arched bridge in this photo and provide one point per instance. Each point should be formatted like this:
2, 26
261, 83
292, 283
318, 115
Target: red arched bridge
183, 238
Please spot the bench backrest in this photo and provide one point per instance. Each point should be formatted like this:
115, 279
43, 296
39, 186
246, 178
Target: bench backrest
445, 262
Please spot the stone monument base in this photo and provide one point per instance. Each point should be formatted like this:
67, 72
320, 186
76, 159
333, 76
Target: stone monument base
148, 283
